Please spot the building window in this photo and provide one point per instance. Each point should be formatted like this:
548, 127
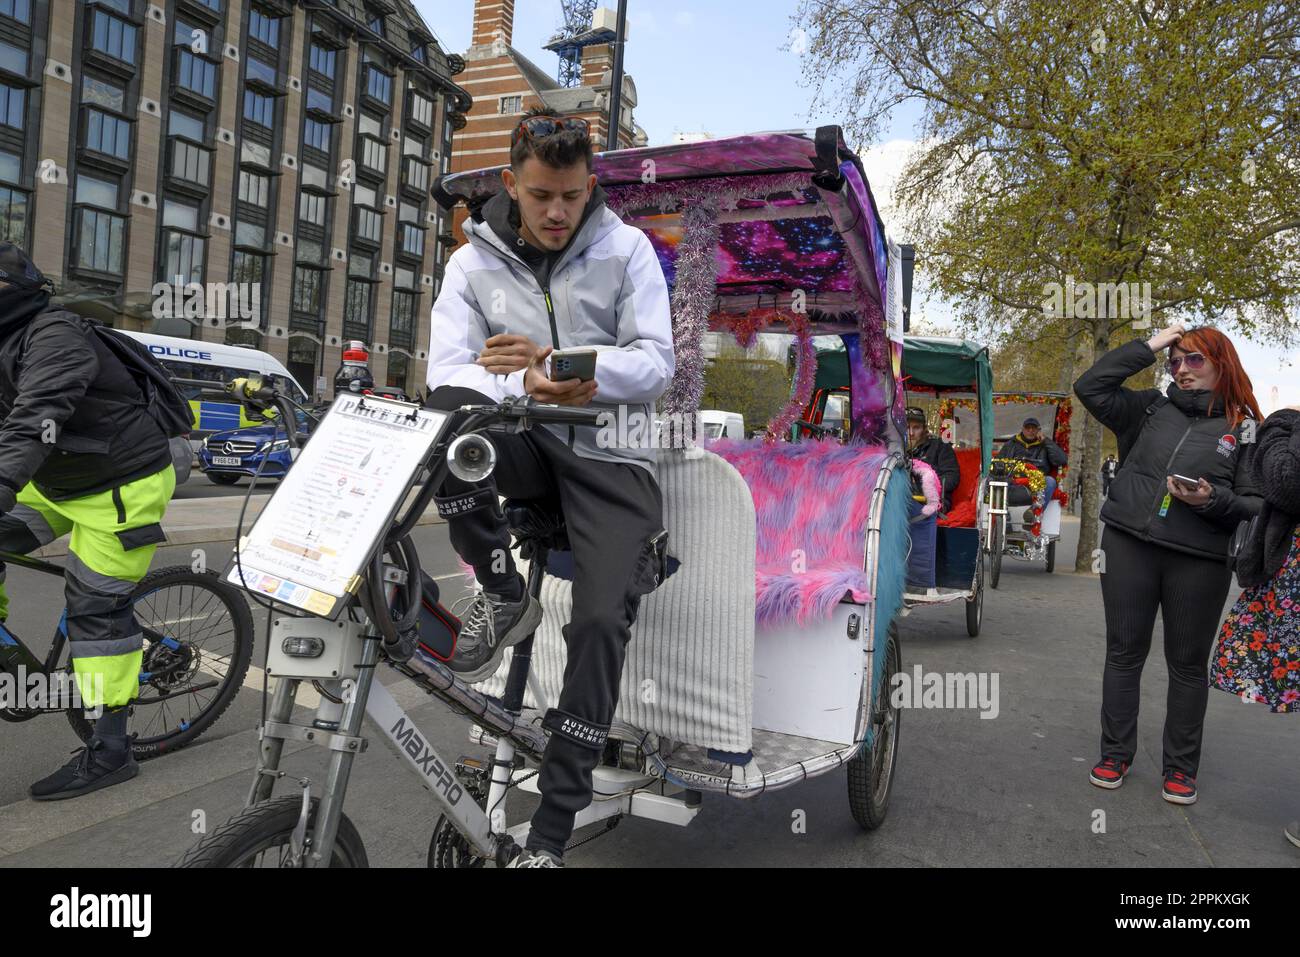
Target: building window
368, 225
183, 124
112, 36
421, 109
376, 23
19, 10
315, 176
307, 283
13, 104
262, 26
183, 257
250, 234
417, 51
248, 267
412, 239
374, 155
260, 70
255, 153
212, 4
311, 208
356, 310
309, 251
196, 74
254, 189
13, 59
510, 104
96, 192
13, 216
361, 264
190, 162
186, 34
413, 146
102, 93
100, 234
417, 174
379, 85
322, 60
401, 332
317, 135
318, 100
259, 109
399, 369
108, 134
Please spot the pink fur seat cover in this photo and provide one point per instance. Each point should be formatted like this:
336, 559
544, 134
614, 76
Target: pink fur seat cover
811, 501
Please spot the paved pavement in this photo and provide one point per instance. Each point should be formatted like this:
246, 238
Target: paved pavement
968, 791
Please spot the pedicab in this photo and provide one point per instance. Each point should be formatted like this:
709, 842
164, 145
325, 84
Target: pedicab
763, 658
1032, 520
950, 551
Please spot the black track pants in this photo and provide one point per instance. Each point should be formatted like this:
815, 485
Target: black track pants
611, 510
1189, 592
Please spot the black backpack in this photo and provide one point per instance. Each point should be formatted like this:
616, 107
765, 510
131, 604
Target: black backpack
164, 401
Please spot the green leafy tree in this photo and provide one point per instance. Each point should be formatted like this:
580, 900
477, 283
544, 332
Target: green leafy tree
1071, 148
756, 388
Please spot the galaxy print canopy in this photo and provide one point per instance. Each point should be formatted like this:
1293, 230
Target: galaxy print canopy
778, 231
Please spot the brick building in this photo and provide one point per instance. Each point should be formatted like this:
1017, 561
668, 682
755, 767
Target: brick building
505, 84
283, 144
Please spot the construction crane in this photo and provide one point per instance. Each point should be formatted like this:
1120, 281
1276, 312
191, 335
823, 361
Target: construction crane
582, 27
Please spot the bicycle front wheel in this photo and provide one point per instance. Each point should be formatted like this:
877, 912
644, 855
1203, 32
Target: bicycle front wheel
198, 643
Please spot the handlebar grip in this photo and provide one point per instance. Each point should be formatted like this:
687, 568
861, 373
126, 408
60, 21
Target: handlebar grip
565, 415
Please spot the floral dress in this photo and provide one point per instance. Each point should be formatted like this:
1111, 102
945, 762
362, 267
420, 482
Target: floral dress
1258, 657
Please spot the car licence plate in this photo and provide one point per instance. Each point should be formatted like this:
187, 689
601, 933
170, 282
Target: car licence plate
226, 460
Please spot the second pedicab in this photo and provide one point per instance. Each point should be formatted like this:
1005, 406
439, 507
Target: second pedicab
950, 549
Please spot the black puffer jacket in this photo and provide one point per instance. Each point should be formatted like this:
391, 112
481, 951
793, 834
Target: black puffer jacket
1043, 454
1276, 472
1162, 435
57, 381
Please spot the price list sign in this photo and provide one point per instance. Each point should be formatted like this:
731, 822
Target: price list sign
311, 542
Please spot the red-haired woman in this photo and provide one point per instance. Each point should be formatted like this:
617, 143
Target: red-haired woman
1166, 539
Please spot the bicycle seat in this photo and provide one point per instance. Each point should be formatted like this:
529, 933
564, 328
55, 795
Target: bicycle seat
536, 522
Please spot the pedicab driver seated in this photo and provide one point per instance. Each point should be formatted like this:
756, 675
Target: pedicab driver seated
547, 263
1032, 446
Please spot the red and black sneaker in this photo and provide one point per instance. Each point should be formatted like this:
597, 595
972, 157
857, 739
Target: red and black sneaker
1109, 773
1179, 788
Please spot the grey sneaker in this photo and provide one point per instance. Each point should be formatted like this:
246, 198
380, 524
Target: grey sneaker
531, 858
1292, 832
490, 625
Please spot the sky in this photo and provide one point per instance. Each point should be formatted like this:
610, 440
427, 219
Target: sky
724, 68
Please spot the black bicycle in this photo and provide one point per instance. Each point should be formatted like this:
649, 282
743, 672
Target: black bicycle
198, 641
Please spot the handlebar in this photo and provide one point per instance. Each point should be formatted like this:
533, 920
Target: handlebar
524, 410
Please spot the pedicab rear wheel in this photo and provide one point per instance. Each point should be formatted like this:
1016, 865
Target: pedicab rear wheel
871, 771
1051, 556
975, 603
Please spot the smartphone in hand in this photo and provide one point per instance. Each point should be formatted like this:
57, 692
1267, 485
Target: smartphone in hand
573, 364
1190, 484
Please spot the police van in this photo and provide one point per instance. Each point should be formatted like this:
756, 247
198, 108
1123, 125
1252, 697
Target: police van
193, 359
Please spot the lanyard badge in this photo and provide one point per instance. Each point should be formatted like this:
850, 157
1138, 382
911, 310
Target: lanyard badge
1164, 505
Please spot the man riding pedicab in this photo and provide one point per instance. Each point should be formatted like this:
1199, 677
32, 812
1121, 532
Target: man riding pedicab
1032, 446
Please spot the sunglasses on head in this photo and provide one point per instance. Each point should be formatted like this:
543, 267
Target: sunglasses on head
540, 127
1193, 361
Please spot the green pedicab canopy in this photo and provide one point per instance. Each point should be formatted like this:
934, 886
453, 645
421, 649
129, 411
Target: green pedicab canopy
953, 365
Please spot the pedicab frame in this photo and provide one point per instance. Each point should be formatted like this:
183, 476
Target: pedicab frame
805, 194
